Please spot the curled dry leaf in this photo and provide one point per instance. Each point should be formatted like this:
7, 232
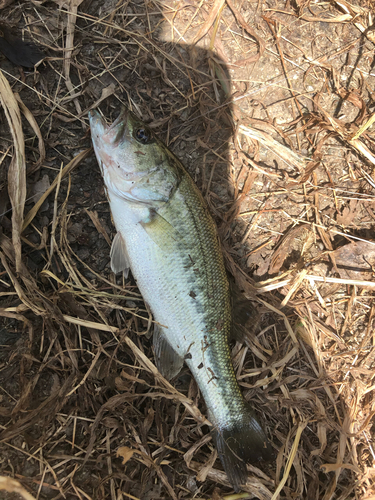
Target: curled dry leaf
17, 168
34, 125
68, 4
352, 96
106, 92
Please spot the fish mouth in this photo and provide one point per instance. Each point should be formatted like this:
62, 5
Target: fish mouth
112, 134
96, 121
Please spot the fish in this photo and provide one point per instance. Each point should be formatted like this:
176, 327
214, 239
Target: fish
167, 238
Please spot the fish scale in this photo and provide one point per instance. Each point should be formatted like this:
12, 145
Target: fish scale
167, 237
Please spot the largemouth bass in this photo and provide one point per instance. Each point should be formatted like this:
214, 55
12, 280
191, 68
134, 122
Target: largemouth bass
167, 238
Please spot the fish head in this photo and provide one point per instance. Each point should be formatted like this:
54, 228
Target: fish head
135, 165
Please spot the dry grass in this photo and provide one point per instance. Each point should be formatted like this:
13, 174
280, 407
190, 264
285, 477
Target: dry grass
271, 109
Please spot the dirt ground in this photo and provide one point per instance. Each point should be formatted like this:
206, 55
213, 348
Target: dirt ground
269, 105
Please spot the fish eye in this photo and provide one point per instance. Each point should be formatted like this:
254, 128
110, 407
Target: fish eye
143, 135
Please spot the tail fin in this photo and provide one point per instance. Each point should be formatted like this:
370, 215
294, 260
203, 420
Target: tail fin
242, 440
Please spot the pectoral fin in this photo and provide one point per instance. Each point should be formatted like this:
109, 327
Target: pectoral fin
167, 361
161, 231
119, 255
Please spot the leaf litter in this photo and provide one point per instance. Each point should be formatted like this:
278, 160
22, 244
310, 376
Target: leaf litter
270, 107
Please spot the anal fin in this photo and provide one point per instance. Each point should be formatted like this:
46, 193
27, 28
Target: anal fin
119, 256
167, 361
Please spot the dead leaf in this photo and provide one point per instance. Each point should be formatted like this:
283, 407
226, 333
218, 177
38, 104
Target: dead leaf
349, 213
334, 467
125, 453
68, 4
17, 168
214, 10
34, 125
356, 260
95, 219
195, 447
106, 92
202, 474
351, 96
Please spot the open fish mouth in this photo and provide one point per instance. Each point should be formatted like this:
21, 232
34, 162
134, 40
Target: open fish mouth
112, 134
97, 123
